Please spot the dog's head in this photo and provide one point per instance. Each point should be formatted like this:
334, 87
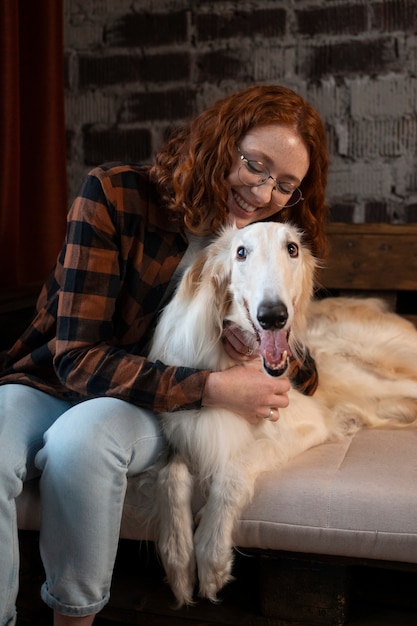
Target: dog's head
268, 275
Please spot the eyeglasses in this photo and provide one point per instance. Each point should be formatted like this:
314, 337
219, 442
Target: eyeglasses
255, 174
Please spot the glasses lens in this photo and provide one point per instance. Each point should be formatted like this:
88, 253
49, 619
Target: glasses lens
253, 173
294, 198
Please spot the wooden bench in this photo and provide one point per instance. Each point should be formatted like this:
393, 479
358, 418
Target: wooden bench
376, 260
285, 586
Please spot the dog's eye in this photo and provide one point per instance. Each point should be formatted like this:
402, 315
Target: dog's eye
241, 253
292, 250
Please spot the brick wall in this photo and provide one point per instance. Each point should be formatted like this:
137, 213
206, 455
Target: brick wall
136, 68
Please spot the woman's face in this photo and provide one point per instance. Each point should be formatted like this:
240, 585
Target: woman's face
285, 156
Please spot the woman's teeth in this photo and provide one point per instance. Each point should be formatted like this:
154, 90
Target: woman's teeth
243, 205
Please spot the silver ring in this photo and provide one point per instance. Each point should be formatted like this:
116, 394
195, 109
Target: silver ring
270, 414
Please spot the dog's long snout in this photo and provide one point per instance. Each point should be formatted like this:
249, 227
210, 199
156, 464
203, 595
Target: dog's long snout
272, 315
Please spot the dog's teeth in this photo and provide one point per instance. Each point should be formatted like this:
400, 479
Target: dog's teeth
283, 360
280, 365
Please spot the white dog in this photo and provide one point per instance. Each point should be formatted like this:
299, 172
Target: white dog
261, 278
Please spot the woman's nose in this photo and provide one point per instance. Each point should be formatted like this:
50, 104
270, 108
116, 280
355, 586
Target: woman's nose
263, 193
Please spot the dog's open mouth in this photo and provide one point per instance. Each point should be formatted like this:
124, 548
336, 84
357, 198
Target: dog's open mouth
274, 351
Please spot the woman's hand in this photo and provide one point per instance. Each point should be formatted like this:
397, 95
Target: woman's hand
239, 344
248, 391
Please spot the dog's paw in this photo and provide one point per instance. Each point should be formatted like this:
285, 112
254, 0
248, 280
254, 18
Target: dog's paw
213, 578
214, 565
183, 591
181, 578
177, 556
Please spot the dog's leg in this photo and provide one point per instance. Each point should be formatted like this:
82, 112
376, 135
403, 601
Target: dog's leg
176, 527
229, 493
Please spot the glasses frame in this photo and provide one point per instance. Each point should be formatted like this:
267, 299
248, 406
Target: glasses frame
276, 187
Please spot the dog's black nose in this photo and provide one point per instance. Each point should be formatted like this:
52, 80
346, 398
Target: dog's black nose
272, 315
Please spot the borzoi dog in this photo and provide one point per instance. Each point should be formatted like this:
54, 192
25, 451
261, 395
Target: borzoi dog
261, 278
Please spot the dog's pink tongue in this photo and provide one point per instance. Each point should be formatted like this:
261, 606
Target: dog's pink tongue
273, 347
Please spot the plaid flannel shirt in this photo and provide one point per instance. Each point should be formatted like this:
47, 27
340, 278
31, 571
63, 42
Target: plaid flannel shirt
96, 312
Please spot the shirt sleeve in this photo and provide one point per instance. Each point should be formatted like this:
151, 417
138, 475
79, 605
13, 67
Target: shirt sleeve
303, 374
88, 359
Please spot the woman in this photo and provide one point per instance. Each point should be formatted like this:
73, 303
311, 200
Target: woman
78, 398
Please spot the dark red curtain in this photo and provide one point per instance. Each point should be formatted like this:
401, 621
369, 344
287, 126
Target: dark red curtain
33, 194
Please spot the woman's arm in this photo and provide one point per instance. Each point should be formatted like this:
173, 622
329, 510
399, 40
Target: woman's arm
90, 356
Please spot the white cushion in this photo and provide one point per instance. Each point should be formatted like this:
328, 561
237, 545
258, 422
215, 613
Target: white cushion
356, 498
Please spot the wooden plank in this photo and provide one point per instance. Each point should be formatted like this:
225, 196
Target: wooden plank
371, 228
365, 256
140, 596
306, 591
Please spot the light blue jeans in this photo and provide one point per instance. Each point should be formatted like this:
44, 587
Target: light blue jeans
84, 454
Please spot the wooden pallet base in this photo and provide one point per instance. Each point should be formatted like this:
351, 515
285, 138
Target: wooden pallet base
269, 590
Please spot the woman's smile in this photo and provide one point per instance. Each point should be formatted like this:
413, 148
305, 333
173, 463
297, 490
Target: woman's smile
242, 204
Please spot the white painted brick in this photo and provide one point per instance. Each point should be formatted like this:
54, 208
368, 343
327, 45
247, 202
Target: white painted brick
330, 99
83, 37
390, 95
342, 136
359, 214
389, 137
356, 180
89, 10
90, 108
269, 63
409, 174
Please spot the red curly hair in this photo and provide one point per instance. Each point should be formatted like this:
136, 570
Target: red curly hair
191, 169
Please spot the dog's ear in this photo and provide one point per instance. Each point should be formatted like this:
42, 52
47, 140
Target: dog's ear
221, 297
210, 271
216, 274
194, 275
309, 265
219, 264
309, 273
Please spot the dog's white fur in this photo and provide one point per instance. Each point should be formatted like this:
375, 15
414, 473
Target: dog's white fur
367, 363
